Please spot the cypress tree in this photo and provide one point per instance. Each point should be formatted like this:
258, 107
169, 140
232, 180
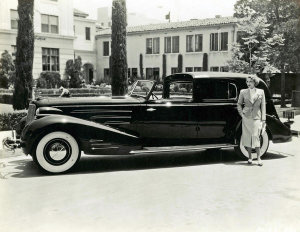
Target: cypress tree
110, 71
141, 66
205, 62
180, 63
24, 55
118, 48
164, 66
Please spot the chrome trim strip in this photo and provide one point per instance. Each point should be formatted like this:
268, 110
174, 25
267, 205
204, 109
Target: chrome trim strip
95, 140
109, 117
187, 104
102, 148
101, 111
101, 105
199, 123
181, 148
116, 122
101, 144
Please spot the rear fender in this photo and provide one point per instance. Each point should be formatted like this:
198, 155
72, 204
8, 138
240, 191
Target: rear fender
82, 130
278, 130
269, 120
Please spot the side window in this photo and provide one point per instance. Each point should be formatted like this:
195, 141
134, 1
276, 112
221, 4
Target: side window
214, 90
181, 90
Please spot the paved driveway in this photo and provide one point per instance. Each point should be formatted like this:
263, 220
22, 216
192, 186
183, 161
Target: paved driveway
199, 191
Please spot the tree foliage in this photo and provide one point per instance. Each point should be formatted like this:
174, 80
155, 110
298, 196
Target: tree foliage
255, 47
74, 73
24, 55
282, 16
7, 70
118, 48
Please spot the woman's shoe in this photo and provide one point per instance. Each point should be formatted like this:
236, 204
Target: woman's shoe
260, 163
249, 161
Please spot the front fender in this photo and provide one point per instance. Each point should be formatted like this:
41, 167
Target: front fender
82, 130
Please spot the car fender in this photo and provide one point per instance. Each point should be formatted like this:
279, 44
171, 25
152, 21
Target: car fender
277, 131
82, 130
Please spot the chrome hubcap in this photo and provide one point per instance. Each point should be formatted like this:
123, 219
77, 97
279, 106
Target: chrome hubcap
57, 151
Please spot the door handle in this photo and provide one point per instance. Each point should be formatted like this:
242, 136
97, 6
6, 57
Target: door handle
151, 109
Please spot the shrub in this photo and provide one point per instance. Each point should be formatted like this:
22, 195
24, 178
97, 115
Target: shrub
73, 70
49, 80
6, 98
3, 91
10, 120
183, 90
7, 70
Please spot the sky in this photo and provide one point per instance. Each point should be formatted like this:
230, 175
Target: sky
157, 9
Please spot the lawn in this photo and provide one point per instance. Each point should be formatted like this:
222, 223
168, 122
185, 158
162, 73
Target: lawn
7, 108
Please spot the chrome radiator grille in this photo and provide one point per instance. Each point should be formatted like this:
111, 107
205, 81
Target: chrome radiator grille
31, 113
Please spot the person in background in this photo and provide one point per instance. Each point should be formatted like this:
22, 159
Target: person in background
253, 116
64, 92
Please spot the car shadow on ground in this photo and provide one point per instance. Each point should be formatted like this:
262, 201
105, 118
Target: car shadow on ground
98, 164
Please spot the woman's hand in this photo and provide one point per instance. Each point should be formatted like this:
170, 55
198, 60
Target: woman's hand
263, 125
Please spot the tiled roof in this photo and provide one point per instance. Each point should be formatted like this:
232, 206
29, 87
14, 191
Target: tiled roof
79, 13
177, 25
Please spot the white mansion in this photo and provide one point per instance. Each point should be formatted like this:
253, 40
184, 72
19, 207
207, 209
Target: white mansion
63, 33
192, 39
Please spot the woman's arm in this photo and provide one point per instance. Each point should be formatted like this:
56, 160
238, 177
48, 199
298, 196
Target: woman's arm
263, 107
240, 103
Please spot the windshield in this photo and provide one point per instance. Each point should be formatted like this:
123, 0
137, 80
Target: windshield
141, 88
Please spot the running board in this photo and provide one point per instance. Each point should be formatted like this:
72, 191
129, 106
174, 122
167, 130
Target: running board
147, 150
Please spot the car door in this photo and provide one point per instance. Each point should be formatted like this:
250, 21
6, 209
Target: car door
169, 121
216, 112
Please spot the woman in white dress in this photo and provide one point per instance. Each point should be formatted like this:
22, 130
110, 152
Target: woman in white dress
252, 108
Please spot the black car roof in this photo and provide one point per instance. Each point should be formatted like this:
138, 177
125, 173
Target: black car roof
196, 75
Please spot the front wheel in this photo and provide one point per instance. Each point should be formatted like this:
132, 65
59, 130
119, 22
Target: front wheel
264, 145
57, 152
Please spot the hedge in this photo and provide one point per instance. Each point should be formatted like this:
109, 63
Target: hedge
48, 80
6, 98
8, 91
10, 120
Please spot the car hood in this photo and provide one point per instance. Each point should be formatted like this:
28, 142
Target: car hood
87, 101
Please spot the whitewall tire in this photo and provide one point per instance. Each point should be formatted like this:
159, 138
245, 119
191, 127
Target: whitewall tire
264, 145
57, 152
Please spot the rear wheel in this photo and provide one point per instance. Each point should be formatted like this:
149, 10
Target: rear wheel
264, 145
57, 152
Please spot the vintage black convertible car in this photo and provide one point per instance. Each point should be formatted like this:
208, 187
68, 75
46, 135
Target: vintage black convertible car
192, 111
